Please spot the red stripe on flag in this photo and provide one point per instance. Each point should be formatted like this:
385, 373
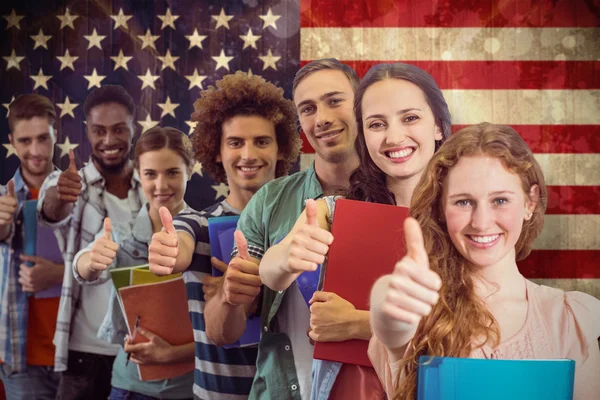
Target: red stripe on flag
573, 200
503, 74
306, 147
561, 264
448, 13
558, 138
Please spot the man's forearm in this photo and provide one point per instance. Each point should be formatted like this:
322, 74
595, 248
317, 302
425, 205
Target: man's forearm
55, 209
225, 323
361, 326
59, 274
271, 269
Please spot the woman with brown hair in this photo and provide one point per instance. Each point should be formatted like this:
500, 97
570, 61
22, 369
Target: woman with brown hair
402, 118
458, 293
164, 161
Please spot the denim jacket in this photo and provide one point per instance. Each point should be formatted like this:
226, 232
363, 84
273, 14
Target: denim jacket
133, 240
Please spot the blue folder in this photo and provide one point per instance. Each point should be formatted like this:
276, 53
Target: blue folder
40, 241
220, 234
445, 378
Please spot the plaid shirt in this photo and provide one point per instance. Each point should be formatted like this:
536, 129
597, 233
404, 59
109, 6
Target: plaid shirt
14, 306
74, 233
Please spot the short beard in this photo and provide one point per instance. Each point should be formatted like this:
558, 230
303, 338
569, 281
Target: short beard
110, 169
33, 173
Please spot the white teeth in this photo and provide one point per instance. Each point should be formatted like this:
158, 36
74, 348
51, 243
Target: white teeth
484, 239
328, 135
401, 153
249, 169
111, 152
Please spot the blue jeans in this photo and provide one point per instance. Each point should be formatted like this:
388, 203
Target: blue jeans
34, 383
120, 394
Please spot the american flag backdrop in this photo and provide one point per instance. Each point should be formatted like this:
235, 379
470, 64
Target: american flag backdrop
534, 65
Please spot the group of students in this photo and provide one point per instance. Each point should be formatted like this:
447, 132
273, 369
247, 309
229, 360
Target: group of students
477, 198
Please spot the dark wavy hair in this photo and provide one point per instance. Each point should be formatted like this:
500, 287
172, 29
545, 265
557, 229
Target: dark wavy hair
368, 181
240, 94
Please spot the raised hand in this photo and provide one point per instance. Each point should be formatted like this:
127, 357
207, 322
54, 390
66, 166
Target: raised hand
242, 283
413, 287
104, 250
211, 284
8, 205
164, 247
69, 182
310, 243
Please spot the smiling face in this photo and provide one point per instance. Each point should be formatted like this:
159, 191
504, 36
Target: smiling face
484, 208
249, 152
399, 128
33, 140
110, 132
324, 101
163, 175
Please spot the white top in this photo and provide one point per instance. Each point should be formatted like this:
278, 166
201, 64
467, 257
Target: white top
94, 298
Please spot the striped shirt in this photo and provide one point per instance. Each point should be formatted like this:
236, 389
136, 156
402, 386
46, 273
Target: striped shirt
220, 373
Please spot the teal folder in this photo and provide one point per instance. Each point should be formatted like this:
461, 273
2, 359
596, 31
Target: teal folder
445, 378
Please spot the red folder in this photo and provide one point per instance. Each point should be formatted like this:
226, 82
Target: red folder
163, 310
368, 241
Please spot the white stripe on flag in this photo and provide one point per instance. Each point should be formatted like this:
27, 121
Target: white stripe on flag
569, 232
524, 107
570, 169
589, 286
445, 44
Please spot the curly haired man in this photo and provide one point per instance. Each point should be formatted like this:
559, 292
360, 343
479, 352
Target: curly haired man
246, 136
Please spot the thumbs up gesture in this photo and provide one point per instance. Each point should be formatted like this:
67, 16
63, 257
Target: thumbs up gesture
104, 250
242, 282
8, 205
69, 182
309, 244
164, 247
413, 287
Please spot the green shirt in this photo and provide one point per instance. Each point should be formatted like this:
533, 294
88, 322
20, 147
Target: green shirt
267, 219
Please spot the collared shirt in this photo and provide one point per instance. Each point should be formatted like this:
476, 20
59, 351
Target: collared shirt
75, 232
133, 239
220, 373
268, 218
15, 303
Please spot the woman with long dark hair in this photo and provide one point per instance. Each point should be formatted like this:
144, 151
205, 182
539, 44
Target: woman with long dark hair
402, 119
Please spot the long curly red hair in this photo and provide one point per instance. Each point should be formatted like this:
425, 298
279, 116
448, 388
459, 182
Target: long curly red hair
460, 322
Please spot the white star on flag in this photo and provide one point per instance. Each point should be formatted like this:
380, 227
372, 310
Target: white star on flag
94, 79
67, 19
67, 108
66, 146
168, 108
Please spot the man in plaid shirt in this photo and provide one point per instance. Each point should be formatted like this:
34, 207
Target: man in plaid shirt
27, 321
75, 203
